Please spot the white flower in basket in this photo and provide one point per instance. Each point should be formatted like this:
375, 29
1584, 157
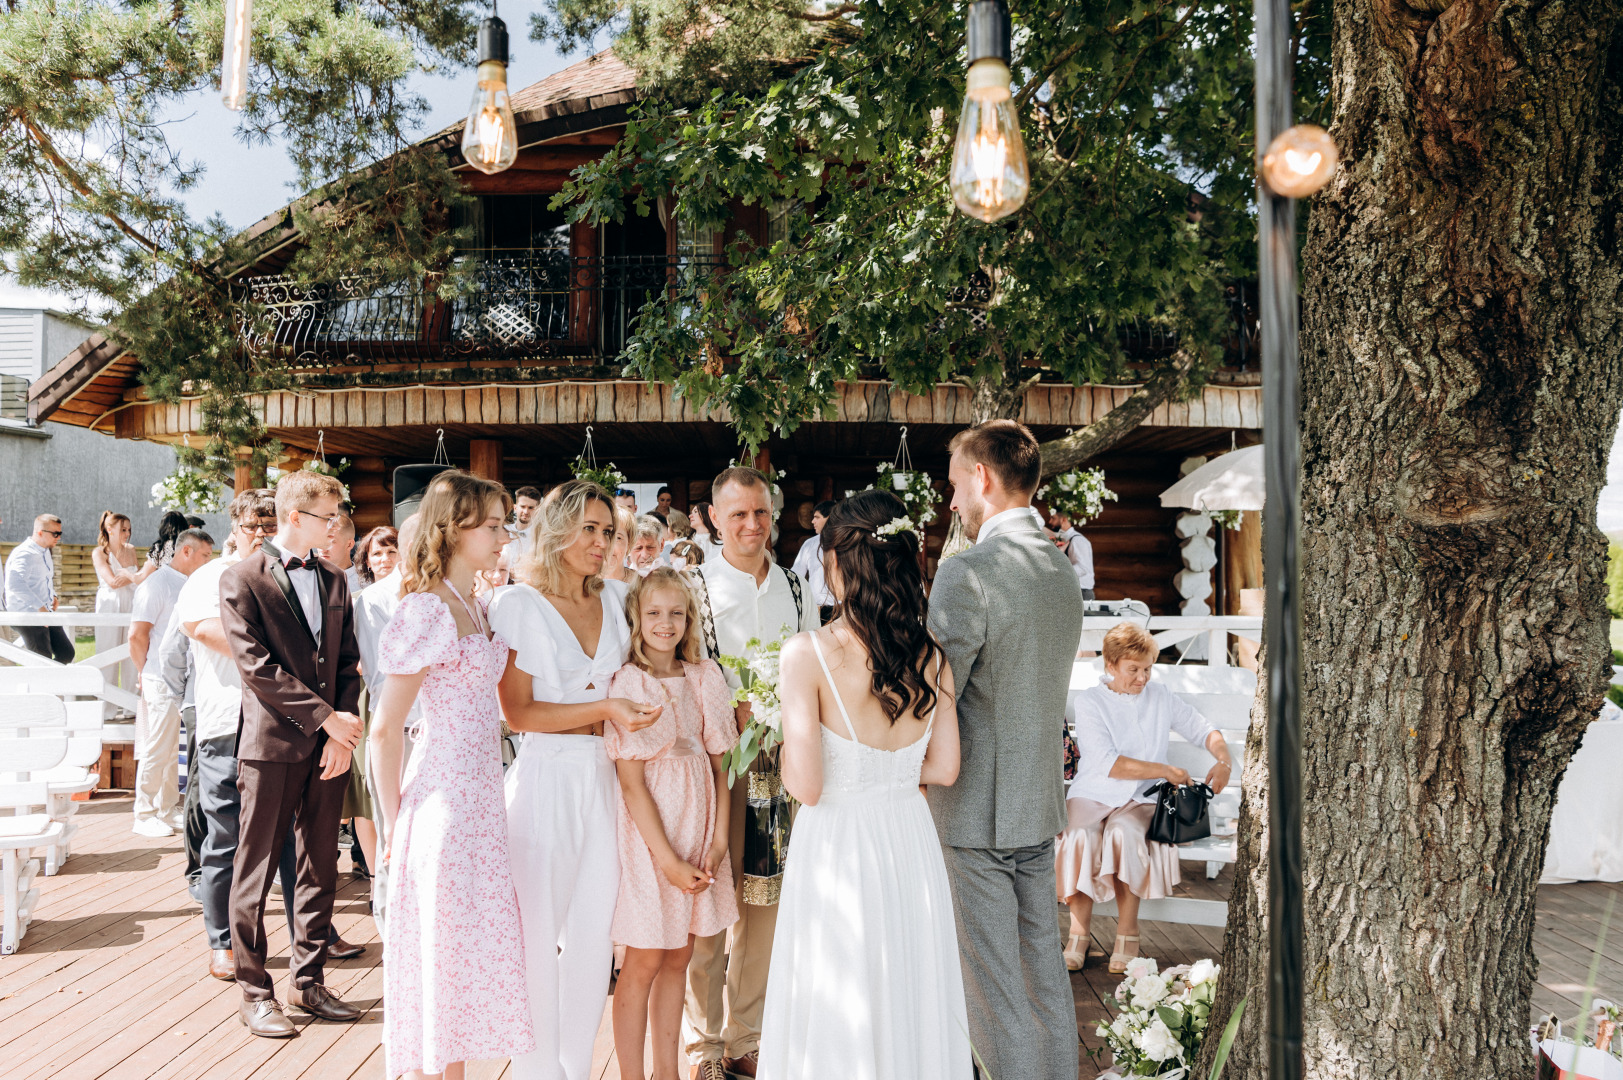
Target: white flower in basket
1079, 494
913, 488
758, 675
187, 492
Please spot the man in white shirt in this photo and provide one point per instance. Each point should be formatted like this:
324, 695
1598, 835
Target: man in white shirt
525, 502
157, 769
340, 550
809, 562
749, 596
1078, 551
31, 586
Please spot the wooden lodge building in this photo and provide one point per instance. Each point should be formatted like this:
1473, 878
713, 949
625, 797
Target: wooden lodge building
516, 372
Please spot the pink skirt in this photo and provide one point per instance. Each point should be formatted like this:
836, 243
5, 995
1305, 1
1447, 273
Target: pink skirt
1105, 844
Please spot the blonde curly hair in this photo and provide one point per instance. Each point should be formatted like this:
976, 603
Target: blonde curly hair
455, 500
554, 527
691, 647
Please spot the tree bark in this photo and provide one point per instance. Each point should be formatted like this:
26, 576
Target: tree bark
1070, 451
1462, 332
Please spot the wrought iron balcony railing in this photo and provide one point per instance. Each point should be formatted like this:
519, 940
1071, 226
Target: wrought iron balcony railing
521, 305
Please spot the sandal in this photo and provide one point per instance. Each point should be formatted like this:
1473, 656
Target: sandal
1119, 958
1076, 953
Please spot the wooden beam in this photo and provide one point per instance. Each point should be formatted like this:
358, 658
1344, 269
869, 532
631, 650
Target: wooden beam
485, 458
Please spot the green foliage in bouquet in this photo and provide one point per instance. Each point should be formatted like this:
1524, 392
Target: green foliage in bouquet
1079, 494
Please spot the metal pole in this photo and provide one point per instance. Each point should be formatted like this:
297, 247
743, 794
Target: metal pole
1276, 220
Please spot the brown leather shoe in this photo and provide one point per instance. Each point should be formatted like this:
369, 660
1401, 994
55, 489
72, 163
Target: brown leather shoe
743, 1065
317, 1000
339, 949
223, 964
709, 1069
266, 1019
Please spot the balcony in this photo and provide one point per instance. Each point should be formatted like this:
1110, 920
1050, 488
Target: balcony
543, 306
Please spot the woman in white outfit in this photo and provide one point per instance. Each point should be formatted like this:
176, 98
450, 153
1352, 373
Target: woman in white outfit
567, 630
866, 982
119, 569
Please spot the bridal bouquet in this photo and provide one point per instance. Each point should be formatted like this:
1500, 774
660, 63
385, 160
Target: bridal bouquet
1162, 1019
757, 672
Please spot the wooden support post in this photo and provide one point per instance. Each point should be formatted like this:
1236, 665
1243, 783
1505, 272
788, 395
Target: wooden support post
586, 284
679, 494
240, 480
485, 458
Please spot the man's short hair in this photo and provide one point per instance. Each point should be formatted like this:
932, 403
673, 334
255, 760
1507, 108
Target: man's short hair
742, 475
298, 489
47, 519
253, 503
824, 508
528, 493
1007, 448
194, 536
346, 522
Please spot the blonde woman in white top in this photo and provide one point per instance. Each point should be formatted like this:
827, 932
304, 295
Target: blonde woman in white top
119, 569
1123, 732
568, 634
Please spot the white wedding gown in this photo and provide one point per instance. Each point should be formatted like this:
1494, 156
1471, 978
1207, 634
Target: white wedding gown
865, 982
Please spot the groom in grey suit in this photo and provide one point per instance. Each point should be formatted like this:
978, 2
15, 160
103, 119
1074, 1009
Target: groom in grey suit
1008, 612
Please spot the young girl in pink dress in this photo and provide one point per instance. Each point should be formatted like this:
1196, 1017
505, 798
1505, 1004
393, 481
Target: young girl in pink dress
453, 956
675, 877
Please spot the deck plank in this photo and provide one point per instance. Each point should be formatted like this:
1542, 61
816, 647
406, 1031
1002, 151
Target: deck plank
111, 980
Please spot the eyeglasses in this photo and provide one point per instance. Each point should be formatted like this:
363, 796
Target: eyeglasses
328, 518
263, 528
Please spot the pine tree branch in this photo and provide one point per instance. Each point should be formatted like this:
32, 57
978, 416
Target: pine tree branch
1072, 450
79, 183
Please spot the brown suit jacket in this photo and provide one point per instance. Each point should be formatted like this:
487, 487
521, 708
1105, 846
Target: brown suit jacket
289, 686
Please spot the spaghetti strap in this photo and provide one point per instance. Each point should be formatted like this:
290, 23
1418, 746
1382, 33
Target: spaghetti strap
818, 646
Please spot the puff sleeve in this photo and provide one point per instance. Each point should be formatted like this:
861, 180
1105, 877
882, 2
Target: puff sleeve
622, 745
716, 702
422, 634
515, 615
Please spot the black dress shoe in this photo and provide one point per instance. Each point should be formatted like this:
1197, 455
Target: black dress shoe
339, 949
317, 1000
266, 1019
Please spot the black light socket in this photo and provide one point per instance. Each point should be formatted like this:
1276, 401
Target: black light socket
988, 31
493, 40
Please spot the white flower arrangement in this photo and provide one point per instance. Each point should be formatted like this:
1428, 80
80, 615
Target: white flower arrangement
758, 676
913, 488
1079, 494
1162, 1019
897, 526
187, 492
1228, 519
607, 477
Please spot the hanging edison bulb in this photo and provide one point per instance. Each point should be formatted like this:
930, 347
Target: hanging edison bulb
490, 137
239, 22
990, 176
1299, 161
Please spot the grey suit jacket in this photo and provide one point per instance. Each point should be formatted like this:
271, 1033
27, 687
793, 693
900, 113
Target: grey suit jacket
1009, 614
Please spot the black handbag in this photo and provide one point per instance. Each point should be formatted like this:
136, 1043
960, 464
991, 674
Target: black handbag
1180, 813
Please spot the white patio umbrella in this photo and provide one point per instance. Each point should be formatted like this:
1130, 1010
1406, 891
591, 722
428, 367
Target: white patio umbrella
1231, 481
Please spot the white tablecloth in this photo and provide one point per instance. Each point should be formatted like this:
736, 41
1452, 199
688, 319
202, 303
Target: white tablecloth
1586, 828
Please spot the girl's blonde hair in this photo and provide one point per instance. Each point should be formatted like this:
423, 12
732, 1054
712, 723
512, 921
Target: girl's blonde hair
553, 530
1129, 639
104, 531
455, 500
691, 647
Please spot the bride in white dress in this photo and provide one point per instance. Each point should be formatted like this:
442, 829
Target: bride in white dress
865, 981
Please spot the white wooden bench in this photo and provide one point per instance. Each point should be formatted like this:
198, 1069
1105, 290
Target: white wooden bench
82, 719
26, 747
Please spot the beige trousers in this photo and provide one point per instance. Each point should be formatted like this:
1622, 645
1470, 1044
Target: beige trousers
727, 975
157, 757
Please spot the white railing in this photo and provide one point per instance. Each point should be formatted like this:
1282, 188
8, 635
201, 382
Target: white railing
1170, 630
17, 654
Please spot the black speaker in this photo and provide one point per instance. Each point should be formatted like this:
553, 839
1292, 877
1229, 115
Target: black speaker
410, 482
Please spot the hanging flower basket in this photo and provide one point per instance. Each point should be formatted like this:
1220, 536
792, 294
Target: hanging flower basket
585, 467
1079, 494
914, 489
187, 492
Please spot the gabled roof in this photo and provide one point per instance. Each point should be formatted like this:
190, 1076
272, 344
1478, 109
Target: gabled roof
594, 93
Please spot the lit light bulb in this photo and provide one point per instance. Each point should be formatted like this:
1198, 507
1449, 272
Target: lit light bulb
239, 23
490, 137
989, 177
1299, 161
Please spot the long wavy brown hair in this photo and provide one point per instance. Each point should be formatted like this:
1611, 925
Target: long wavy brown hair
455, 501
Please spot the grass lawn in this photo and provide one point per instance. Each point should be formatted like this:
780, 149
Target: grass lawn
86, 646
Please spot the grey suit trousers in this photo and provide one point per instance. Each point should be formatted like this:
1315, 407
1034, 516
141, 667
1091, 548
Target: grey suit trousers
221, 804
1022, 1017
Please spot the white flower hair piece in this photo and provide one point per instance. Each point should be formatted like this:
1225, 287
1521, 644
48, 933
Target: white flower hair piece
896, 526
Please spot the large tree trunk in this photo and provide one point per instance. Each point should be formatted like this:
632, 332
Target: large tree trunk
1461, 382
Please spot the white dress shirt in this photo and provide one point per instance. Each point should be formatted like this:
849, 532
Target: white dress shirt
743, 610
306, 586
30, 578
155, 605
809, 565
1080, 552
217, 692
1004, 520
1139, 726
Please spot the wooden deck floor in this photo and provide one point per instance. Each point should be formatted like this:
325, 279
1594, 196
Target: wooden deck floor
111, 981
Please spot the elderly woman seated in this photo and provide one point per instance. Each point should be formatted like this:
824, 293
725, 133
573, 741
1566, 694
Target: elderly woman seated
1123, 730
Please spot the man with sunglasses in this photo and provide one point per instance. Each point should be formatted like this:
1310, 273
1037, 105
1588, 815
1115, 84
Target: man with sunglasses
31, 586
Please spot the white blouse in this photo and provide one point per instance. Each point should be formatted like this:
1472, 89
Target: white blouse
548, 650
1111, 725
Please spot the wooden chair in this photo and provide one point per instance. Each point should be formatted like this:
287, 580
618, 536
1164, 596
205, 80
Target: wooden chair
26, 746
76, 774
